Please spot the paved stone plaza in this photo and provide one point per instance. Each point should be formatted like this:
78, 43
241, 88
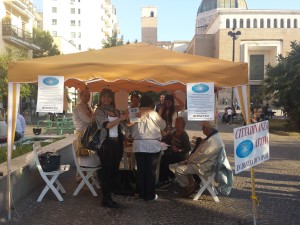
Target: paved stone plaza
277, 185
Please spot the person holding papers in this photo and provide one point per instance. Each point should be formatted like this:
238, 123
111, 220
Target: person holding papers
108, 119
146, 146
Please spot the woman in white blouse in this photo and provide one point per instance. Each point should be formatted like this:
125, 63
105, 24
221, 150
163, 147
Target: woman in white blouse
146, 146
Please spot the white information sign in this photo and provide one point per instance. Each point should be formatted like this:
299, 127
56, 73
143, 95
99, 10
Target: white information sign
251, 145
50, 94
200, 101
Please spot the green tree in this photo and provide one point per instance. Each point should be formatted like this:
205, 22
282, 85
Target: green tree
283, 82
112, 41
44, 40
10, 54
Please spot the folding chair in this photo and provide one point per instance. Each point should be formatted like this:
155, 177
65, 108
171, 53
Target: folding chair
49, 177
207, 184
85, 177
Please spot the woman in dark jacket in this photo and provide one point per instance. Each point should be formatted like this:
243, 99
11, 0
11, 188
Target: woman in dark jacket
178, 151
108, 119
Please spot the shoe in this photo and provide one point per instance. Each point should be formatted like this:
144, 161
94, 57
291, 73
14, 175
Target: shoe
110, 204
154, 199
163, 184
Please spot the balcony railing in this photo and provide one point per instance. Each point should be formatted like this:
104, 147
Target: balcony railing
10, 30
18, 36
23, 4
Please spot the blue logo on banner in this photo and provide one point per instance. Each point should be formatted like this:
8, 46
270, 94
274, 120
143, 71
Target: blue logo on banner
244, 149
200, 88
50, 81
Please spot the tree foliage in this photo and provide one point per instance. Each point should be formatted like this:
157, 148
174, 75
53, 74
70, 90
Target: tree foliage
10, 54
283, 82
44, 40
112, 41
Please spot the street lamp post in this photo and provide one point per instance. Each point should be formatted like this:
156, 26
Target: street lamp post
234, 35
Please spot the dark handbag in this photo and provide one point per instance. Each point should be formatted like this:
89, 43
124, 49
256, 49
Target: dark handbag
50, 161
91, 137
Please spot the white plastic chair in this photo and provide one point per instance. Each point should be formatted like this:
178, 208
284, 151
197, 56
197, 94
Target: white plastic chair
49, 177
207, 184
85, 177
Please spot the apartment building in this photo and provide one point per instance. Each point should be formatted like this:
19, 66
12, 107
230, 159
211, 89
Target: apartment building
18, 17
83, 24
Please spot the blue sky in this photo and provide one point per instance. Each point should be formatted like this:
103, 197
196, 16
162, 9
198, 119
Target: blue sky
176, 18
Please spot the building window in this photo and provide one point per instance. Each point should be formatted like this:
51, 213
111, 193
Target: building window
72, 22
248, 23
79, 34
275, 23
78, 11
73, 35
288, 23
257, 67
261, 23
79, 47
234, 23
295, 23
281, 23
72, 10
227, 23
268, 23
152, 14
54, 33
54, 10
241, 23
255, 23
54, 21
79, 23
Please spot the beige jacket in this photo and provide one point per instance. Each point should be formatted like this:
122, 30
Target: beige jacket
207, 154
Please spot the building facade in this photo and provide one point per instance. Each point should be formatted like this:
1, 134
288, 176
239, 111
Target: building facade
83, 25
149, 24
17, 21
264, 35
18, 18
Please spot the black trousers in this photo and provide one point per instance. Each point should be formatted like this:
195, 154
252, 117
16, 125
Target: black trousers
110, 157
164, 171
146, 174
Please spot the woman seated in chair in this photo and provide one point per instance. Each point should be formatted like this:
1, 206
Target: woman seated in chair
202, 160
177, 151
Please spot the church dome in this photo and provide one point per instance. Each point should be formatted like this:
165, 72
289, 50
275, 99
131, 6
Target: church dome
207, 5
